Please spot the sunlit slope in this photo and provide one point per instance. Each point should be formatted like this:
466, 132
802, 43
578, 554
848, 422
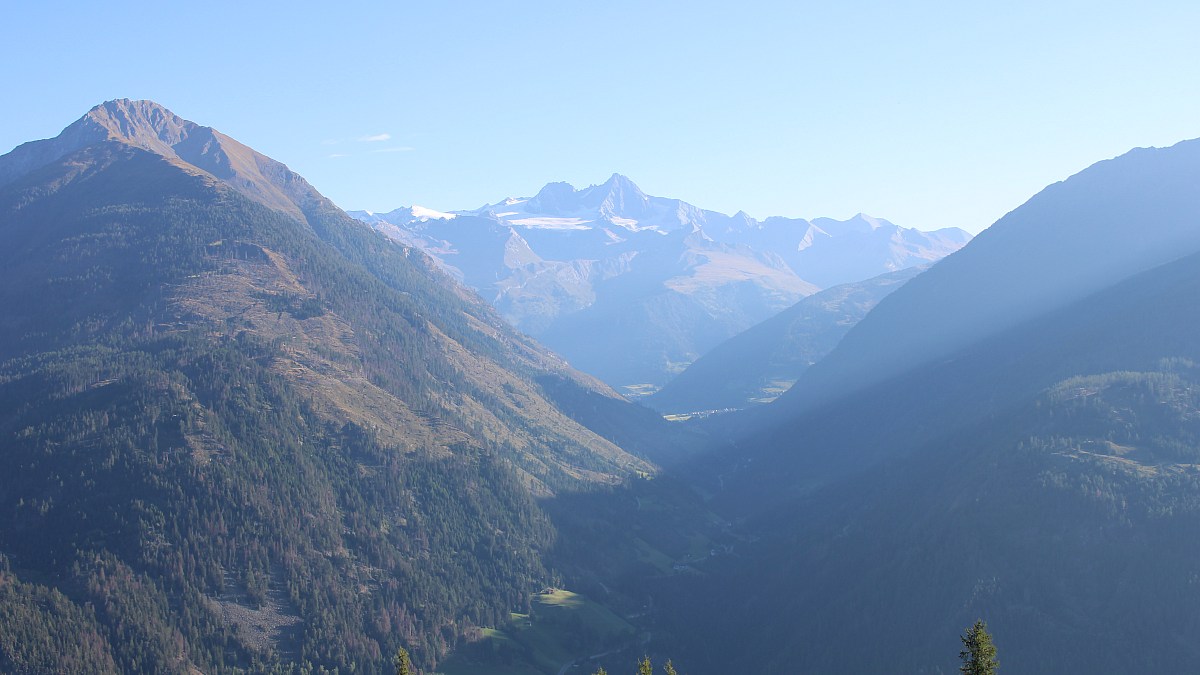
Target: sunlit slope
1110, 221
249, 432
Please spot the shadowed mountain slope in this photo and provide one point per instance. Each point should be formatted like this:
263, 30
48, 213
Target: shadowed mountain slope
1040, 472
1041, 479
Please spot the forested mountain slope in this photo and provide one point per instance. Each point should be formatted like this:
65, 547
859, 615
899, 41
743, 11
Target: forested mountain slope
1064, 511
241, 429
1040, 471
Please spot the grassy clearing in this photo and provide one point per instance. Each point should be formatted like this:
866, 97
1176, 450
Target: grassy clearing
648, 554
638, 390
593, 615
699, 546
771, 391
561, 627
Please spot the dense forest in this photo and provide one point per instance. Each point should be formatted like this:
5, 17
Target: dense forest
1060, 507
236, 440
242, 432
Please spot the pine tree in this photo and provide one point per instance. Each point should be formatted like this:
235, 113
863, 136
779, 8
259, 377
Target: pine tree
403, 663
602, 671
978, 654
669, 669
644, 667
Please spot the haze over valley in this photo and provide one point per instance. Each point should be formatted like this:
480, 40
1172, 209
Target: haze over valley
583, 428
633, 288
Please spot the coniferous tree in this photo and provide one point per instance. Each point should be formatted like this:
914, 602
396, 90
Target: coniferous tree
601, 671
403, 663
978, 654
645, 667
669, 669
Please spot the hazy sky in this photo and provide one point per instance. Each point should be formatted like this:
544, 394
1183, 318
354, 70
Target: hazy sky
929, 114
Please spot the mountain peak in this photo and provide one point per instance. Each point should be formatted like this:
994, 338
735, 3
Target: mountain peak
142, 123
150, 126
620, 181
554, 198
618, 196
619, 184
128, 118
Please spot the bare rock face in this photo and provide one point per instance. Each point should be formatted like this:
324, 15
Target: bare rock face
144, 124
150, 126
631, 287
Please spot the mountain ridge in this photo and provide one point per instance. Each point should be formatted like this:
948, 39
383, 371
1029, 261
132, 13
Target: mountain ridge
241, 433
150, 126
1030, 470
998, 279
1039, 471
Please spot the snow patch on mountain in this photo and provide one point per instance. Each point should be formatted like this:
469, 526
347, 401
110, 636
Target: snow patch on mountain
633, 287
422, 212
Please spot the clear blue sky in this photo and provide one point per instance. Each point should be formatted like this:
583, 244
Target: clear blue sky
930, 114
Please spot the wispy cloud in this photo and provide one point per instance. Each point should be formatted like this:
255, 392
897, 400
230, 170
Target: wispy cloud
370, 138
353, 151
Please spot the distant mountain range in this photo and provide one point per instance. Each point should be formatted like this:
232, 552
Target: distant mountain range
631, 287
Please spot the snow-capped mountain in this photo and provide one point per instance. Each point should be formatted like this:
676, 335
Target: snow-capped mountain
632, 287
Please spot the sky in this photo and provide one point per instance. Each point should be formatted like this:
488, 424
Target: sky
929, 114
